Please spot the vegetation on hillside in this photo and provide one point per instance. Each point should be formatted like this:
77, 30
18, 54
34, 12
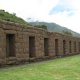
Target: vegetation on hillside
67, 33
53, 27
11, 17
41, 26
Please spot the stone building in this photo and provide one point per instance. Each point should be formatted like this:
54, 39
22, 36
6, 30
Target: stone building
20, 44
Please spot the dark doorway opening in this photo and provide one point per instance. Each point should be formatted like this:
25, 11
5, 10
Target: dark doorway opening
70, 47
56, 47
10, 45
31, 46
46, 47
64, 47
79, 46
74, 46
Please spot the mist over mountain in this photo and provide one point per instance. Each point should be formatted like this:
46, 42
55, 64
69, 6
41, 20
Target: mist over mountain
53, 27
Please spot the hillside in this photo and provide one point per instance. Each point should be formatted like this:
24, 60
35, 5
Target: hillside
53, 27
11, 17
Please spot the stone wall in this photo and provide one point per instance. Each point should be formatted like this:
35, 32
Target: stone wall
58, 45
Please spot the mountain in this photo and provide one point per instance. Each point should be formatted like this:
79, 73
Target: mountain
6, 16
53, 27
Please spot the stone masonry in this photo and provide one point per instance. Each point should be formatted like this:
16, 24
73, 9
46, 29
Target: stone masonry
20, 44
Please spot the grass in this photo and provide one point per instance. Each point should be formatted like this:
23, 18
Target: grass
58, 69
6, 16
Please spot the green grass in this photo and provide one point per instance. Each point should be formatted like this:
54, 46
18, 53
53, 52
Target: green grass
58, 69
6, 16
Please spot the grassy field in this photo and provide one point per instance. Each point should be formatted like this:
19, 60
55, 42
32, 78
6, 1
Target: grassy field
58, 69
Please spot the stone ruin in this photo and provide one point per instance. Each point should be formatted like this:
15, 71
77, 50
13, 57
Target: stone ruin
20, 44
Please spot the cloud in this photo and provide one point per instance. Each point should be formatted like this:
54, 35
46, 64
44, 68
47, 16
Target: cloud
67, 14
61, 7
63, 12
29, 8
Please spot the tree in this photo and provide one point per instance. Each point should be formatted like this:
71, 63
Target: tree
14, 14
66, 32
41, 26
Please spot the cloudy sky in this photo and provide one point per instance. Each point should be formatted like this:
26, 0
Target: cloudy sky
62, 12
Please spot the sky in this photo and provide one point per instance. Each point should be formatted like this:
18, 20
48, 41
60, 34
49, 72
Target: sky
63, 12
